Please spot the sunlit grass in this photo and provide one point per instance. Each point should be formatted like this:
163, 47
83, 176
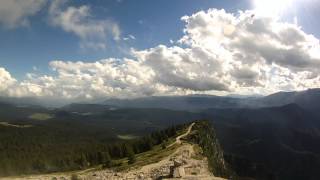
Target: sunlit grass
14, 125
153, 156
127, 136
40, 116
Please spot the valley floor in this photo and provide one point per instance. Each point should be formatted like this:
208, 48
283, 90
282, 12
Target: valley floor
183, 162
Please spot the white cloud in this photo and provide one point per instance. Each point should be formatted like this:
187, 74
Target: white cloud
129, 37
256, 51
15, 13
220, 52
110, 77
79, 20
5, 80
93, 45
192, 69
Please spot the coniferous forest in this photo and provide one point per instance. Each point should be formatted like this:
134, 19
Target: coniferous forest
39, 150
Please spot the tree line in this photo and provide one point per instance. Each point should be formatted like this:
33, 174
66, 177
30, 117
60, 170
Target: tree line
23, 152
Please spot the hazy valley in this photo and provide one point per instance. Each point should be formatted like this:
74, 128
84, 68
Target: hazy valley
277, 140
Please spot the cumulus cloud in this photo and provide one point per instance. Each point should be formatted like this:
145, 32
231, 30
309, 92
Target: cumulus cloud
80, 21
15, 13
5, 80
109, 77
219, 52
257, 51
191, 69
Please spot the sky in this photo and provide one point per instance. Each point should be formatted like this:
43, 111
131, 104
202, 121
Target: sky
84, 50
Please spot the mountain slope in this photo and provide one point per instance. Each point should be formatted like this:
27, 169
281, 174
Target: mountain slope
181, 159
308, 99
270, 143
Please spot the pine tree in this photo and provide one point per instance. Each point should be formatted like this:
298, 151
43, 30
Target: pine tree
130, 154
107, 159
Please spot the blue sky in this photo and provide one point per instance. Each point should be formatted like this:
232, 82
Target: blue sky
273, 47
22, 48
151, 22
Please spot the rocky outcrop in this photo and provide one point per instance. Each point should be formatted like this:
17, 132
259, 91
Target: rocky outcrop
204, 135
182, 164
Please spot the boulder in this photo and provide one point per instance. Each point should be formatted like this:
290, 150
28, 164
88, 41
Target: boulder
177, 163
179, 172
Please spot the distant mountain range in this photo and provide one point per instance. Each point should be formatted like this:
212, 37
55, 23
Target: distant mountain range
270, 137
307, 99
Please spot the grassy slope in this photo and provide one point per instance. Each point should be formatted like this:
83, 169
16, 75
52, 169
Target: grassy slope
155, 155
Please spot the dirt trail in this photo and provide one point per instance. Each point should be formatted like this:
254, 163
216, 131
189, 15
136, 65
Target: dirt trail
166, 160
181, 164
178, 139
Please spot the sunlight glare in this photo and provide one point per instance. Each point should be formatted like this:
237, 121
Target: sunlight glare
271, 7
